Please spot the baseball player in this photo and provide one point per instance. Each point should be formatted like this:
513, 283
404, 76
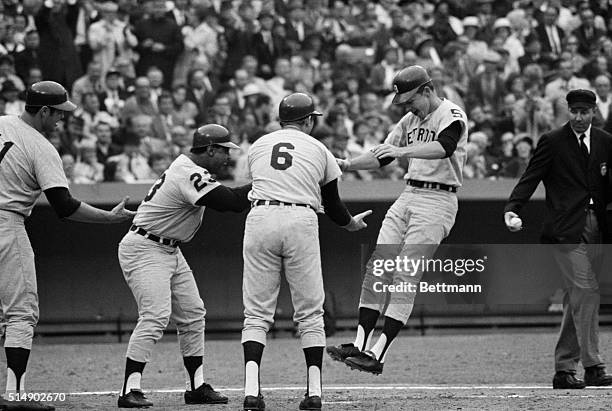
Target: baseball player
433, 135
293, 175
156, 271
30, 165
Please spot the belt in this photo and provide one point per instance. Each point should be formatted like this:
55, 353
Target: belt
153, 237
427, 184
256, 203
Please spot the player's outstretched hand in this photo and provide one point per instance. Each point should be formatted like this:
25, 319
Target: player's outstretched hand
387, 151
513, 221
357, 222
343, 164
120, 213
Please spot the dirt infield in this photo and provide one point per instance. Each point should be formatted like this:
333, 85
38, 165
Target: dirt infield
506, 371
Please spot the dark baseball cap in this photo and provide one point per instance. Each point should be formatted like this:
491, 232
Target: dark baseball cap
50, 94
212, 135
581, 98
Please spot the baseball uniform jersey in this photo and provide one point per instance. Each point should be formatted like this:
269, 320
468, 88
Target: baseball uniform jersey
29, 164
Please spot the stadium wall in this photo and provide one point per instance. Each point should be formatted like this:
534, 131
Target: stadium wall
79, 278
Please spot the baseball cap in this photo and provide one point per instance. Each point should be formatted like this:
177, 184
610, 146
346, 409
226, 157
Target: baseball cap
581, 98
471, 21
407, 82
50, 94
212, 134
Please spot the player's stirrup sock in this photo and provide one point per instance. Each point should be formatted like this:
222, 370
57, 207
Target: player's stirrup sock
133, 373
367, 322
314, 362
390, 330
252, 358
195, 369
16, 363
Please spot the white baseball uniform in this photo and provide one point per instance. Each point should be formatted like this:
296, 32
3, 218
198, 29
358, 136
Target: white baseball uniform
288, 168
154, 267
421, 217
29, 164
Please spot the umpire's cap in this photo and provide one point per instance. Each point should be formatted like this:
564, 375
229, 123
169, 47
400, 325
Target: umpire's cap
295, 107
50, 94
407, 82
212, 135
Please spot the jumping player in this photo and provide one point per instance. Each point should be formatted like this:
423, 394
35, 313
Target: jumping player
156, 271
30, 165
433, 135
293, 174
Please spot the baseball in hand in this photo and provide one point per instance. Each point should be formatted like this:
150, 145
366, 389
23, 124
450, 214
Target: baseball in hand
516, 222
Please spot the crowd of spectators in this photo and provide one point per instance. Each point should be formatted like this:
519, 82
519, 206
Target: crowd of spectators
146, 73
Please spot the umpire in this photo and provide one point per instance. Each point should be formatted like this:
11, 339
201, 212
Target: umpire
573, 162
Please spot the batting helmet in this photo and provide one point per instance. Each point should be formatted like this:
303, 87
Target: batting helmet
295, 107
407, 82
50, 94
212, 134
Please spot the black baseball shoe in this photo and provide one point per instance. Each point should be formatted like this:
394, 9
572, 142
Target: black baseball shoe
365, 361
134, 399
597, 377
342, 352
312, 402
252, 403
567, 381
6, 405
204, 394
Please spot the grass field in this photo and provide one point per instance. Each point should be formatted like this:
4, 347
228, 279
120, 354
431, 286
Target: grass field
487, 371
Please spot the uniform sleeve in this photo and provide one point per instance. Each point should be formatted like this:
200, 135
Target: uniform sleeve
396, 135
48, 168
332, 170
453, 114
196, 183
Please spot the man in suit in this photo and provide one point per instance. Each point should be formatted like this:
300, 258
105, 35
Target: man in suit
573, 162
587, 34
550, 34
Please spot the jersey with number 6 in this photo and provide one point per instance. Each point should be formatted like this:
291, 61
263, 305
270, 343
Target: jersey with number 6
290, 166
169, 210
412, 130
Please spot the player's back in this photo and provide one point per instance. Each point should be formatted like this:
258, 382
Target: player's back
29, 164
290, 166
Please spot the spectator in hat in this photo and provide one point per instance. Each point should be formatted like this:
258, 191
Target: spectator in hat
487, 88
425, 50
28, 57
267, 47
13, 104
112, 99
475, 48
510, 42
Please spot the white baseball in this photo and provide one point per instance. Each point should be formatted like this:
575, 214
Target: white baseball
516, 222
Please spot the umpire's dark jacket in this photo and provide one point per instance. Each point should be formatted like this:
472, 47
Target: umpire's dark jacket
569, 183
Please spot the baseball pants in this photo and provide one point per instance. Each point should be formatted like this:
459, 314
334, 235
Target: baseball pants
18, 291
164, 288
413, 228
277, 238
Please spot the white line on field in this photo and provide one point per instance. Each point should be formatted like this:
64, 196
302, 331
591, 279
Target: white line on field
328, 388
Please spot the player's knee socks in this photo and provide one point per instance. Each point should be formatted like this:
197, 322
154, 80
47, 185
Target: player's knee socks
133, 374
365, 328
314, 363
195, 370
390, 330
253, 352
16, 363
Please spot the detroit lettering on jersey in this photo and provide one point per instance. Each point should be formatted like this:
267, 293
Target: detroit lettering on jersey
412, 130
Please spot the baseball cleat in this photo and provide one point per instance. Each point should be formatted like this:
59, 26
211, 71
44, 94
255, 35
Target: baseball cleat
597, 377
204, 394
342, 352
312, 402
365, 361
6, 405
567, 381
134, 399
252, 403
